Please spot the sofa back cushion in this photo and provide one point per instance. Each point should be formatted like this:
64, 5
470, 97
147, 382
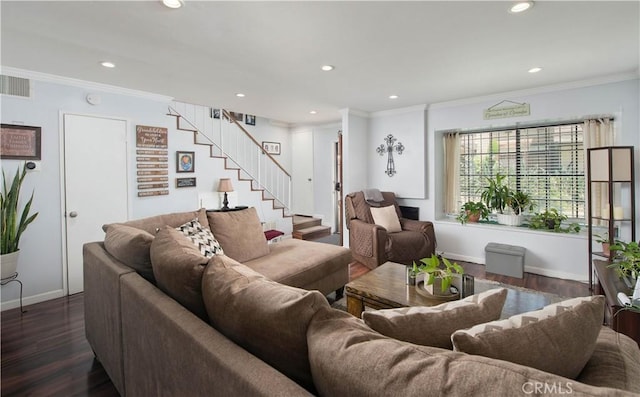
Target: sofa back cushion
239, 233
266, 318
130, 246
178, 266
433, 326
560, 338
154, 223
350, 359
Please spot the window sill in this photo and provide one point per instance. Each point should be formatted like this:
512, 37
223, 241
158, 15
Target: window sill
494, 226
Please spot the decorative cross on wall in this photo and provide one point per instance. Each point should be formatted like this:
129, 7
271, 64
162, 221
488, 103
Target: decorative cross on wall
390, 147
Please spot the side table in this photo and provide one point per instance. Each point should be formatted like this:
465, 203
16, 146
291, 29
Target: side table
14, 277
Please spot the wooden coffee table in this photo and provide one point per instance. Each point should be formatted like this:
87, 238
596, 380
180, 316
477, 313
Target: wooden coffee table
385, 287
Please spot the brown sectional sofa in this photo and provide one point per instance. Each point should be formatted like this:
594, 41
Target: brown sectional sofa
262, 331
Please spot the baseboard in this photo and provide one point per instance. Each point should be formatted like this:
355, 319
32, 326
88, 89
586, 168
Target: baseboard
30, 300
463, 258
555, 274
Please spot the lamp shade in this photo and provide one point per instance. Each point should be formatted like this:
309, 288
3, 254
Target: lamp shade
225, 185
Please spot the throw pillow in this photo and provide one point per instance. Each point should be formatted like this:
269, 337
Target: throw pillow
348, 358
178, 266
559, 338
202, 238
433, 326
266, 318
130, 246
387, 217
240, 233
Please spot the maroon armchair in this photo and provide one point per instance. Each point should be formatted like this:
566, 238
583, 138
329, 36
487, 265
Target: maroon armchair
372, 245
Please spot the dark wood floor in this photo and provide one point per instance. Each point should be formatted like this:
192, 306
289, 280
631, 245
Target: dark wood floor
45, 353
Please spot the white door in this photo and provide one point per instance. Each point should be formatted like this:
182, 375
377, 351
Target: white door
95, 166
302, 173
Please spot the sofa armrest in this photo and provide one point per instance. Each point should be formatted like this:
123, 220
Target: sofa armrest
424, 227
366, 238
168, 351
102, 317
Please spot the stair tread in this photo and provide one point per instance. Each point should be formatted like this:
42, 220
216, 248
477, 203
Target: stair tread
312, 229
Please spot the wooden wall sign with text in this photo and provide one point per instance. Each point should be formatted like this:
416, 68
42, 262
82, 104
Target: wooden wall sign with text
152, 162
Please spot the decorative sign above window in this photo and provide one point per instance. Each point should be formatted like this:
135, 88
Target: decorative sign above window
501, 112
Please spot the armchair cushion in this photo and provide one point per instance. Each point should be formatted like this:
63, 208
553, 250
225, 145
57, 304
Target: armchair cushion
387, 218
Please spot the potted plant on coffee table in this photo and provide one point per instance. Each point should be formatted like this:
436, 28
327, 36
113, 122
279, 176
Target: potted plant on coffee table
473, 211
439, 273
12, 226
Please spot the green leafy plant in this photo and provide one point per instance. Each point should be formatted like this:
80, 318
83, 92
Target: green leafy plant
438, 267
496, 194
627, 258
472, 211
12, 226
519, 202
551, 220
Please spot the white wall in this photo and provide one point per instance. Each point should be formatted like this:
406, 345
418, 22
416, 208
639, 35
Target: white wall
408, 126
40, 266
551, 254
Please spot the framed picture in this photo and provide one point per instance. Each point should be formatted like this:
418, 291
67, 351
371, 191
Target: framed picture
185, 161
20, 142
185, 182
271, 147
215, 113
249, 119
237, 116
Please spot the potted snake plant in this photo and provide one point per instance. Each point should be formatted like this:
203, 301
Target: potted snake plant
12, 225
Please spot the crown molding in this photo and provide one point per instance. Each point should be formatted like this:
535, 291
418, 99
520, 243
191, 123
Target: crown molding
538, 90
89, 85
394, 112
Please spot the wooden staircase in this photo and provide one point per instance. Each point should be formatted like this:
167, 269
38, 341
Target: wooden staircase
309, 228
229, 164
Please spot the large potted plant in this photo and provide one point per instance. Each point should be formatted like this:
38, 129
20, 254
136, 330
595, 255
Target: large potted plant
473, 211
496, 194
12, 226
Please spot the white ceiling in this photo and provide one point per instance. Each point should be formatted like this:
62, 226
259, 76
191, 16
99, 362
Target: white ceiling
423, 51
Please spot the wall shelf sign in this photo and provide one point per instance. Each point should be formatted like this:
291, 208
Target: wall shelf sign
511, 109
152, 162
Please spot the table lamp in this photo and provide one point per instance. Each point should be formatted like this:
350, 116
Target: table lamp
225, 186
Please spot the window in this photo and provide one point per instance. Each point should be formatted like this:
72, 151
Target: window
546, 162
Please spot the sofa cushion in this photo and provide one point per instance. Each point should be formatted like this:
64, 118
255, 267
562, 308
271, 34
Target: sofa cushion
387, 218
559, 338
153, 224
202, 238
615, 362
433, 326
266, 318
239, 233
130, 246
350, 359
178, 266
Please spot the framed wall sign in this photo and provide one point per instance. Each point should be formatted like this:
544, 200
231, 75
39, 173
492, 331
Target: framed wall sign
185, 182
185, 161
20, 142
271, 147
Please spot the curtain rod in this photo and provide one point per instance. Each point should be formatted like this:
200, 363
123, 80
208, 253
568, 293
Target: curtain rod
526, 125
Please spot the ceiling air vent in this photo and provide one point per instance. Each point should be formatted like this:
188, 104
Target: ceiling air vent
16, 86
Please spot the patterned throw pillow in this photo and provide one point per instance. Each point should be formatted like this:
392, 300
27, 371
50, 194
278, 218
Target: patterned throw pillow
202, 238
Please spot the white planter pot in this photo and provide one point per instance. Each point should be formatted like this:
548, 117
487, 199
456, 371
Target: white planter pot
8, 264
510, 219
636, 291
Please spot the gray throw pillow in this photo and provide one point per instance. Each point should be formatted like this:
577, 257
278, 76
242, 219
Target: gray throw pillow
130, 246
433, 326
239, 233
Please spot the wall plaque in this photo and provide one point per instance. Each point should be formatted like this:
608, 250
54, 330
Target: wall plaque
20, 142
151, 137
185, 182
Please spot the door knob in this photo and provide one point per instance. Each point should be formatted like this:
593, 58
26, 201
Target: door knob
73, 214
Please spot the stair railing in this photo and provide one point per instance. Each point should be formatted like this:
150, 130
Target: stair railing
229, 139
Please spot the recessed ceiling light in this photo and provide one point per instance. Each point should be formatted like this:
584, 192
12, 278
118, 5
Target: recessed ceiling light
393, 97
535, 70
521, 6
313, 112
108, 64
173, 3
240, 95
327, 68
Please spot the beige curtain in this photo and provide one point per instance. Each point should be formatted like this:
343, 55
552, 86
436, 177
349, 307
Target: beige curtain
451, 143
597, 133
